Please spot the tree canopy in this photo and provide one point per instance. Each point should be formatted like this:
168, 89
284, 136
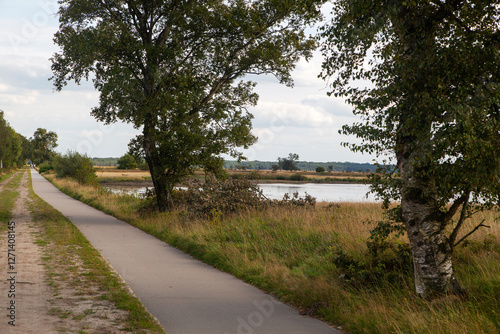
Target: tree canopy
424, 78
10, 144
289, 162
127, 162
172, 68
44, 143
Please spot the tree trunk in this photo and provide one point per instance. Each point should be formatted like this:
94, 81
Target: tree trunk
162, 187
431, 249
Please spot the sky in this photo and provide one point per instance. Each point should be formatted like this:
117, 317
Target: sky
301, 120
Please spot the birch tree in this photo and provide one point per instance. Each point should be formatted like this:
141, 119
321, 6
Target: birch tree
424, 77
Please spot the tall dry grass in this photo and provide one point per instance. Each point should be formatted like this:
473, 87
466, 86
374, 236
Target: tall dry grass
288, 251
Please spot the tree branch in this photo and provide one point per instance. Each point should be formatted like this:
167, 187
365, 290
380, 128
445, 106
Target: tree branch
464, 199
474, 230
463, 217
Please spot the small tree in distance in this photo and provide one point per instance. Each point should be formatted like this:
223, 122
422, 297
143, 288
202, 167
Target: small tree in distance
289, 163
127, 162
320, 169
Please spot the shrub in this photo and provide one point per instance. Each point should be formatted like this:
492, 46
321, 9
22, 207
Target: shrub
45, 167
204, 198
320, 169
75, 166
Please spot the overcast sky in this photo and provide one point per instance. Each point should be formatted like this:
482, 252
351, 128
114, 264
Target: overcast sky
301, 120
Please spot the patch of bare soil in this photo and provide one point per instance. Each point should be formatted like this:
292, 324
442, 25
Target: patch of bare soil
51, 296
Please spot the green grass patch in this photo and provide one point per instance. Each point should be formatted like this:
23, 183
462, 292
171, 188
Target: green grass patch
290, 252
64, 239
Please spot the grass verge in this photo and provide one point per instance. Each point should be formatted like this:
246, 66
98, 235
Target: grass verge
290, 252
8, 197
61, 238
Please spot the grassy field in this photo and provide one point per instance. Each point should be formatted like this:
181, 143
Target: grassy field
294, 253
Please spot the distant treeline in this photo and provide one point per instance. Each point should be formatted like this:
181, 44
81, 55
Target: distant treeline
304, 165
105, 162
256, 165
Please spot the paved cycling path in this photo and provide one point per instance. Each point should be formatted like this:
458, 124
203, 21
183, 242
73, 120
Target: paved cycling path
185, 295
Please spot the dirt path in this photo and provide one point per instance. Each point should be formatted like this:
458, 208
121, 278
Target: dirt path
42, 296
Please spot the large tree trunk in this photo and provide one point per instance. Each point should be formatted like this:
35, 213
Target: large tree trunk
431, 248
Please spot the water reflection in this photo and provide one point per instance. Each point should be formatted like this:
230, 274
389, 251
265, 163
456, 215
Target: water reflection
322, 192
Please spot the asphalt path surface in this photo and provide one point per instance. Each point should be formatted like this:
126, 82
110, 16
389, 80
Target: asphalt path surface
184, 294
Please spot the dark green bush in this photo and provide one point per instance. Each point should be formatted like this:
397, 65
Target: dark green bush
320, 169
44, 167
75, 166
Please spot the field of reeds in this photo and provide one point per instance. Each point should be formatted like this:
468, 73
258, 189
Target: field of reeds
316, 259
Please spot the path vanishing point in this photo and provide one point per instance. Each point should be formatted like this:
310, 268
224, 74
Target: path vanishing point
184, 294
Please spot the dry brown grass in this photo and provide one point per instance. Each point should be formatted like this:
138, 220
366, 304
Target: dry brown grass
120, 173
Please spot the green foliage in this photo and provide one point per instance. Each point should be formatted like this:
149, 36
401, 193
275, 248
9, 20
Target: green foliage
75, 166
320, 169
44, 143
174, 69
289, 163
127, 162
45, 167
10, 144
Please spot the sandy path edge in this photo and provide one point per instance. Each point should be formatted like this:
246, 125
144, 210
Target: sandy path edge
31, 302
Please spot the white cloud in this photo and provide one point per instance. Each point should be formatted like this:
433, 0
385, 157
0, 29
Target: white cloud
278, 114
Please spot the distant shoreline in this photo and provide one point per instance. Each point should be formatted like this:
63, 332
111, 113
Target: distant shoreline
141, 178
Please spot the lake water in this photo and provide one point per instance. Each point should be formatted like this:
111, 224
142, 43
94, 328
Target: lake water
344, 192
